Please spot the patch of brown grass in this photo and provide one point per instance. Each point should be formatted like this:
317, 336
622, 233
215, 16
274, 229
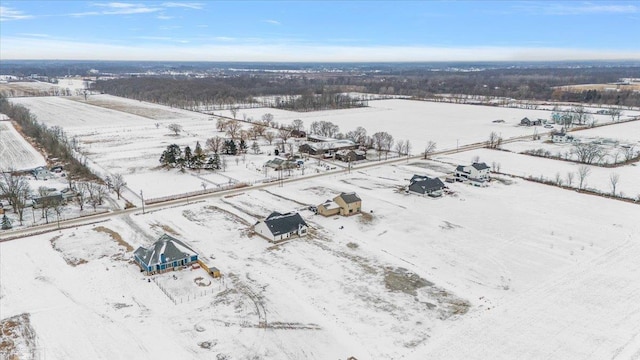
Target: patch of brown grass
115, 236
165, 228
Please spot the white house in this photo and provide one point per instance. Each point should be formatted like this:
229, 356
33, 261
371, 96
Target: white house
476, 174
279, 226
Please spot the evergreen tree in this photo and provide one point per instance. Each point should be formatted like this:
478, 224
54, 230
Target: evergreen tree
6, 223
255, 147
243, 146
230, 147
198, 156
171, 155
188, 157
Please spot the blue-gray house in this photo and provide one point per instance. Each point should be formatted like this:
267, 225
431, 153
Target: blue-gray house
168, 253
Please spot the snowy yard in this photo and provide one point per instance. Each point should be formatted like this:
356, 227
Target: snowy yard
406, 280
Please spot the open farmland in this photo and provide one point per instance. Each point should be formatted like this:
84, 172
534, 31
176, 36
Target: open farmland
407, 280
15, 152
537, 167
447, 124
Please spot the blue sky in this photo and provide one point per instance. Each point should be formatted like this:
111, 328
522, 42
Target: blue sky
320, 30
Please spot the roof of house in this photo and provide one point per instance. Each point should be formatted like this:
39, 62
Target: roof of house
424, 184
330, 204
284, 223
349, 198
52, 198
281, 163
480, 166
319, 138
170, 247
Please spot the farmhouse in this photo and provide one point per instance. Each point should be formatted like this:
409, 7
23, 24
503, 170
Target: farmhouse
279, 226
298, 133
350, 155
425, 185
476, 174
330, 147
48, 201
562, 137
168, 253
527, 122
345, 204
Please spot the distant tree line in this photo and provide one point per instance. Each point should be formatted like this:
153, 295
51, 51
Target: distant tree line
310, 91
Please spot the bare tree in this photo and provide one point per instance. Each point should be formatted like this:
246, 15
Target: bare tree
429, 149
629, 153
12, 186
400, 147
175, 128
214, 144
614, 178
407, 148
558, 179
232, 128
583, 172
269, 136
259, 129
221, 124
267, 119
494, 140
234, 111
297, 125
569, 178
615, 114
359, 135
587, 153
118, 184
81, 194
284, 134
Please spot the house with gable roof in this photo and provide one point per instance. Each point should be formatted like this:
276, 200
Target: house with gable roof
167, 253
425, 185
345, 204
476, 174
277, 226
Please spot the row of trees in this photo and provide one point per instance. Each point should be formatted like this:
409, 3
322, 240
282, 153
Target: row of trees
53, 139
305, 91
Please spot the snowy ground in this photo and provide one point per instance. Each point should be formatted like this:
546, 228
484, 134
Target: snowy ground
515, 270
15, 152
537, 167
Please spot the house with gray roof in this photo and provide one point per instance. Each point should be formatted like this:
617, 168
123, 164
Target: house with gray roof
424, 185
167, 253
476, 174
277, 226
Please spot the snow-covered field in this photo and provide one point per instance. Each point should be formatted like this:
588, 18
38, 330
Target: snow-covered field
15, 152
485, 273
447, 124
517, 270
537, 167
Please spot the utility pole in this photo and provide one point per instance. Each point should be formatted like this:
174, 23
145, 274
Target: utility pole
142, 197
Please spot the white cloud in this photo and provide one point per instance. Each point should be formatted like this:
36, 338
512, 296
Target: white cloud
189, 5
164, 17
586, 8
8, 14
117, 8
33, 48
272, 22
